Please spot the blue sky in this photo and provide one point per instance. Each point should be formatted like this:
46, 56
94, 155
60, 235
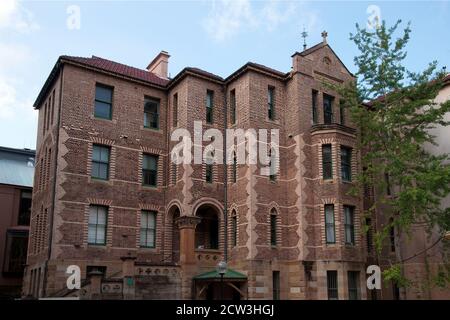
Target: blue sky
218, 36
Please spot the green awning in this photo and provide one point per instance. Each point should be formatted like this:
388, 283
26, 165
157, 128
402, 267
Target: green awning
214, 275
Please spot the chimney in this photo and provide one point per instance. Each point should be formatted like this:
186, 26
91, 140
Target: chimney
160, 65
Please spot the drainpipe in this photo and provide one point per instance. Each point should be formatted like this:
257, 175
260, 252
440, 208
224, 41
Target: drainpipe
55, 170
225, 175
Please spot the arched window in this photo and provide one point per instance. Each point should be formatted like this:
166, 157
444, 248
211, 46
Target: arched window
234, 228
273, 227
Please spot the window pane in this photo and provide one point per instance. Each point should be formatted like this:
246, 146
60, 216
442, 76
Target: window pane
93, 215
103, 94
104, 154
100, 234
150, 238
327, 164
209, 99
102, 110
328, 109
91, 234
329, 224
151, 220
101, 216
149, 162
143, 238
144, 219
102, 171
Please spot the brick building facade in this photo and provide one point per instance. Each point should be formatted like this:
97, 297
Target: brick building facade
108, 199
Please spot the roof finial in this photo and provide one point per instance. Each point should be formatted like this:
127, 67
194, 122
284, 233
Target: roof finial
304, 35
324, 36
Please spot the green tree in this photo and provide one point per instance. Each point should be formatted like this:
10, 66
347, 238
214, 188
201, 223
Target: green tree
394, 110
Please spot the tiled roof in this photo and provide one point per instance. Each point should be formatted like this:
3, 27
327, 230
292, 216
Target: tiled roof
118, 68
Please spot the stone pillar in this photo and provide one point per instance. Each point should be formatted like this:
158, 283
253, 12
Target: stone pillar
128, 290
186, 225
95, 278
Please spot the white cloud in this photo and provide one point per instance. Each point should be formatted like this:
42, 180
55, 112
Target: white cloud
227, 18
13, 56
12, 106
13, 16
273, 15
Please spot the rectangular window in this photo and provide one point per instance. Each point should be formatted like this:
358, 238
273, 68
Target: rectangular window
100, 162
349, 224
103, 102
44, 126
234, 229
271, 103
353, 281
272, 166
150, 170
175, 110
53, 107
327, 109
314, 106
342, 111
151, 113
330, 235
327, 163
332, 285
276, 285
97, 225
346, 163
234, 175
369, 235
15, 257
209, 106
392, 235
273, 229
148, 229
209, 173
388, 184
233, 106
24, 208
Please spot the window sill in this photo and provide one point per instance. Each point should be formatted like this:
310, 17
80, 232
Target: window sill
97, 245
104, 119
147, 248
99, 180
152, 129
149, 187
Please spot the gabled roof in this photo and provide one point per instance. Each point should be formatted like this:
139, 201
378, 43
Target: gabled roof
104, 65
118, 68
230, 274
318, 46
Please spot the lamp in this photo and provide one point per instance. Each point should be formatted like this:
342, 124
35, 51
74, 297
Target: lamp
221, 269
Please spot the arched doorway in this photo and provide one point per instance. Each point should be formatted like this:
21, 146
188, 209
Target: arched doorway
172, 235
207, 231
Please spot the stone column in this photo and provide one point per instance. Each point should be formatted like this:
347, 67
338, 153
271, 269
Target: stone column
128, 277
186, 225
